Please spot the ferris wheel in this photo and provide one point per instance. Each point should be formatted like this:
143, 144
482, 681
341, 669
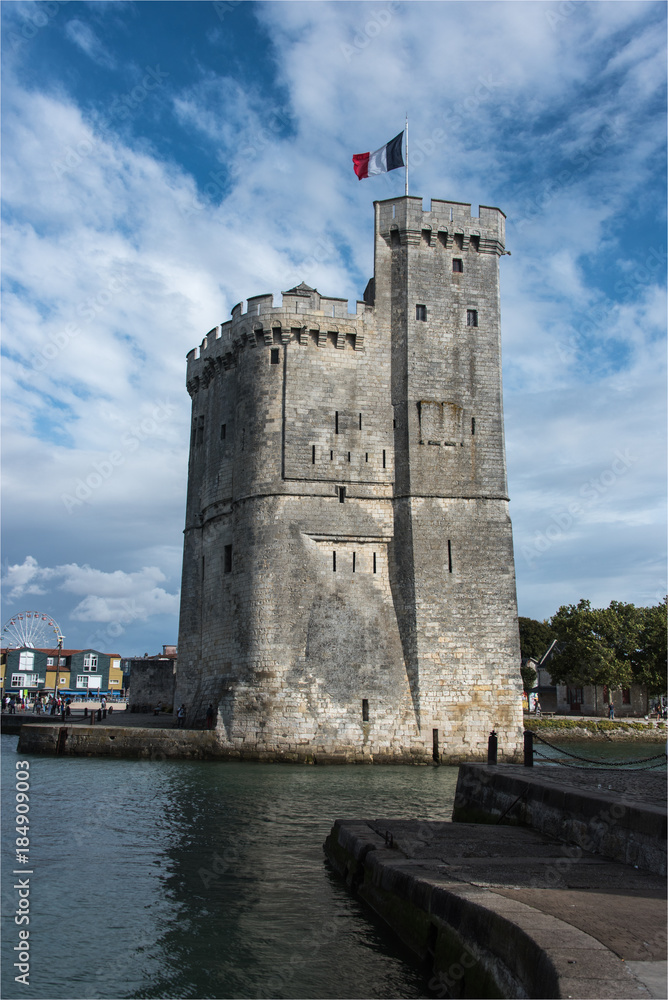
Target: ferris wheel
32, 629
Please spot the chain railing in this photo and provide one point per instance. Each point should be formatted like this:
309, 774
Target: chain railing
656, 760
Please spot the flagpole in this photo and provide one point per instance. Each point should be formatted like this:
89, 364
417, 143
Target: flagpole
407, 154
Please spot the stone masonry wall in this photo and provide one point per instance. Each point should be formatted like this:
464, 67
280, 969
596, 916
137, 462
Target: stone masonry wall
348, 579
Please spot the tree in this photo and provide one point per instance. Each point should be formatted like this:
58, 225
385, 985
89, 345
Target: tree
528, 676
595, 644
535, 638
650, 655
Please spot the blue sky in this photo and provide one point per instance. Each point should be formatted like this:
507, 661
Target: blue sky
163, 161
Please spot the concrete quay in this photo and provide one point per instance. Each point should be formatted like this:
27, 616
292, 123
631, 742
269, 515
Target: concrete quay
508, 911
531, 900
616, 813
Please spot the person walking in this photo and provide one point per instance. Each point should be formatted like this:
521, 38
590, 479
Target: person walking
611, 709
181, 717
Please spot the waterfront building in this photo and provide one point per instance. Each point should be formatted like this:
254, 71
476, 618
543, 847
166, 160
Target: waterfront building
348, 576
72, 671
150, 680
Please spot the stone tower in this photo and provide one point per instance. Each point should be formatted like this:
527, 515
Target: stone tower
348, 577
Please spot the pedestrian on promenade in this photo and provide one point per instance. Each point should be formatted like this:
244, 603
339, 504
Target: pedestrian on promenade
209, 717
611, 710
181, 717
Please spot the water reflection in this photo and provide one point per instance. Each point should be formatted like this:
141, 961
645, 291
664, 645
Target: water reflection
206, 879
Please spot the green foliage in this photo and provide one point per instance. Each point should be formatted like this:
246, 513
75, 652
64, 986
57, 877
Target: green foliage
535, 638
616, 646
649, 661
594, 725
528, 676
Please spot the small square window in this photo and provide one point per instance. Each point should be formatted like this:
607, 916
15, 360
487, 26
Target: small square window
421, 313
457, 265
471, 317
275, 356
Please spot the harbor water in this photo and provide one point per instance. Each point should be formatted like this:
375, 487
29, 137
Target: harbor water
198, 879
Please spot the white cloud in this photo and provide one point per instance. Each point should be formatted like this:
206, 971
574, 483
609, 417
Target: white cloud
110, 597
85, 38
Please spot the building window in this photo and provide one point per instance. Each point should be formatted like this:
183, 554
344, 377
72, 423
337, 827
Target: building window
575, 696
223, 431
383, 459
63, 680
342, 494
228, 559
50, 661
62, 661
471, 317
354, 560
336, 422
374, 562
472, 425
421, 313
360, 421
626, 696
457, 265
90, 662
17, 680
334, 561
82, 681
606, 694
313, 454
26, 660
275, 356
449, 556
365, 709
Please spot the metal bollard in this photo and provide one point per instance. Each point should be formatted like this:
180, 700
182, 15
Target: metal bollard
99, 715
104, 713
85, 713
528, 749
492, 747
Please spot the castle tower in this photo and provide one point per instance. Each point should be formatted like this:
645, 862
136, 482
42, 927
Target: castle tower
348, 579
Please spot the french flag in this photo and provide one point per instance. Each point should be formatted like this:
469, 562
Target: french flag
388, 157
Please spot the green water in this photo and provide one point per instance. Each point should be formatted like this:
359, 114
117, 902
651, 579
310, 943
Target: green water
203, 879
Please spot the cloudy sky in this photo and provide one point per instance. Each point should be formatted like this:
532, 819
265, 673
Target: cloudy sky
163, 161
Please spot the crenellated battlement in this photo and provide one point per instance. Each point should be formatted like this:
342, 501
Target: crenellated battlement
304, 317
404, 220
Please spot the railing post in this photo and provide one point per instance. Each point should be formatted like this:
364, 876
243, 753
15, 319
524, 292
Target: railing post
492, 746
528, 749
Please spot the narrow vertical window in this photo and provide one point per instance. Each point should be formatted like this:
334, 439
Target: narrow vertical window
354, 560
336, 422
472, 425
223, 431
367, 457
348, 456
421, 313
331, 456
275, 355
334, 561
228, 559
200, 430
365, 709
374, 562
471, 317
312, 454
457, 265
449, 556
360, 421
383, 458
342, 494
